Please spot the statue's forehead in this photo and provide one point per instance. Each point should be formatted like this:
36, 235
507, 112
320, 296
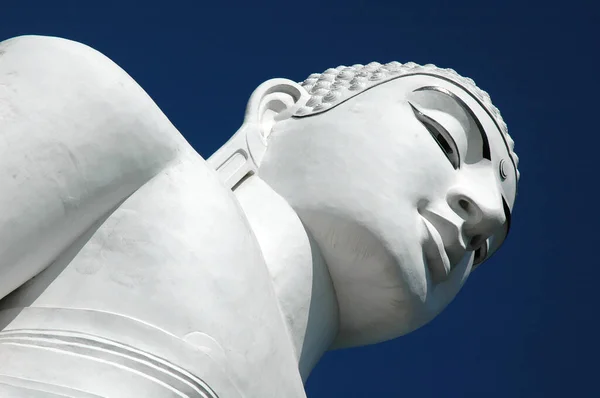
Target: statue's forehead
335, 86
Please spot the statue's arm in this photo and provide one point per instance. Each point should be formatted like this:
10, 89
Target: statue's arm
77, 137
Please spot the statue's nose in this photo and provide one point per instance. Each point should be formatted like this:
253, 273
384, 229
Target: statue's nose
480, 205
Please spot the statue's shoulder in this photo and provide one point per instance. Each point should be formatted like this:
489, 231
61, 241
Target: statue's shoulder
77, 136
65, 89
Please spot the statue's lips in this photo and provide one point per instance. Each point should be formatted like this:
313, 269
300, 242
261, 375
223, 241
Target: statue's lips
436, 256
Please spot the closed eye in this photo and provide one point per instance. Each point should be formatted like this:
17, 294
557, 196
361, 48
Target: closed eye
441, 136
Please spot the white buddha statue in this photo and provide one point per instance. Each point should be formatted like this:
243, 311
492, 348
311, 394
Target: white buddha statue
347, 210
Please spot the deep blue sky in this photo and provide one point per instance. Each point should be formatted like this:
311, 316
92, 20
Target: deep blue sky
525, 323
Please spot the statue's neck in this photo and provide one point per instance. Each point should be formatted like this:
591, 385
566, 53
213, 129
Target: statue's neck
300, 276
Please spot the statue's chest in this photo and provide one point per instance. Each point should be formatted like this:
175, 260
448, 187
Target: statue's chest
179, 258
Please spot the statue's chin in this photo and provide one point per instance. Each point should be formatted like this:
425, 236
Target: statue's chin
381, 287
404, 318
403, 310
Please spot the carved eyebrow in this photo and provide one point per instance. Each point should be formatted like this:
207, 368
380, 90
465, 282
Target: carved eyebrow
465, 107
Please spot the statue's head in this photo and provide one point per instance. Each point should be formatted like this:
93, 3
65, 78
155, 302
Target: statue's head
405, 176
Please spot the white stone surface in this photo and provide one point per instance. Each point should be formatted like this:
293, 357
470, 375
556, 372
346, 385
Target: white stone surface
130, 266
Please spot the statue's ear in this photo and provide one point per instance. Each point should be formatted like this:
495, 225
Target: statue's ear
272, 101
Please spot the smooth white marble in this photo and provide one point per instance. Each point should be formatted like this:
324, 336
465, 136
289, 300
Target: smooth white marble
345, 211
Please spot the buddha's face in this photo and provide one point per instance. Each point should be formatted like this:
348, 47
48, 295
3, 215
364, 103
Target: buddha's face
406, 187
